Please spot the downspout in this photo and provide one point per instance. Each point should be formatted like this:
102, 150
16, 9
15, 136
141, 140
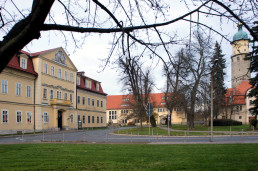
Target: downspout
34, 99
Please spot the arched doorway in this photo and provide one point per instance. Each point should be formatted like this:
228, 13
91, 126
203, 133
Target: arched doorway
60, 119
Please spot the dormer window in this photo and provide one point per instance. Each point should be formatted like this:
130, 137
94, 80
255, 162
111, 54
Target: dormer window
78, 81
88, 84
97, 86
23, 61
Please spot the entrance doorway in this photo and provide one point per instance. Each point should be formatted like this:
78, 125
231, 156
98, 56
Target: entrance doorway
60, 120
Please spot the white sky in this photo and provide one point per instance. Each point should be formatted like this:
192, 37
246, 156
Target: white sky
96, 47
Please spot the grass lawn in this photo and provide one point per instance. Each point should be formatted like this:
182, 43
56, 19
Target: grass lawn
128, 157
159, 131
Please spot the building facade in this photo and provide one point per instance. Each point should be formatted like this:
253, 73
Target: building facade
39, 92
120, 110
237, 102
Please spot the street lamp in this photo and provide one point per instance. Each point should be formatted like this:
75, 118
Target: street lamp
212, 69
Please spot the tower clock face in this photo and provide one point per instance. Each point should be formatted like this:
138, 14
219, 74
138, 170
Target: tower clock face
60, 57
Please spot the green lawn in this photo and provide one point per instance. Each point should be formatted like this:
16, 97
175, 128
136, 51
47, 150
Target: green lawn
183, 128
128, 157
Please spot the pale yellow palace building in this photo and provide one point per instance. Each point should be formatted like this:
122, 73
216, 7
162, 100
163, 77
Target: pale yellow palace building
44, 91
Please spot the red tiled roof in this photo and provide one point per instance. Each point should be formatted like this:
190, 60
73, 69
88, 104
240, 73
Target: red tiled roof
238, 94
93, 85
14, 63
120, 102
36, 53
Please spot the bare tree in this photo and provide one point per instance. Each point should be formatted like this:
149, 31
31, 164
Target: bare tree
176, 72
138, 20
197, 57
139, 84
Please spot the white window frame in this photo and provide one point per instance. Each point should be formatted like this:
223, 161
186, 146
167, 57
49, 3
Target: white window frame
65, 96
51, 94
18, 89
44, 93
71, 118
23, 63
59, 94
78, 99
52, 70
4, 87
2, 116
28, 114
59, 73
71, 97
45, 117
45, 69
97, 86
20, 117
71, 77
83, 100
97, 103
28, 91
78, 80
66, 76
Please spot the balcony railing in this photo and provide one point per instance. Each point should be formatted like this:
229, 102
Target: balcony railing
61, 102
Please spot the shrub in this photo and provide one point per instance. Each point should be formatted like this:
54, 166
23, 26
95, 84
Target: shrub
225, 122
253, 122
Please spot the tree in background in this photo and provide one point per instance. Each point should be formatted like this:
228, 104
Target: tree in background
176, 72
253, 57
218, 66
139, 84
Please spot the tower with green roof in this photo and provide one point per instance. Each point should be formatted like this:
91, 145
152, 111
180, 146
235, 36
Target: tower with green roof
239, 66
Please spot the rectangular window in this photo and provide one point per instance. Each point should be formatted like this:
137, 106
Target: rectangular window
46, 117
97, 119
66, 75
71, 117
97, 86
101, 104
88, 84
28, 117
97, 103
71, 77
88, 119
23, 63
4, 116
92, 102
71, 97
78, 101
18, 117
59, 73
78, 81
92, 119
83, 100
240, 107
110, 115
88, 101
83, 119
58, 94
52, 71
44, 93
79, 118
18, 89
4, 86
51, 94
101, 119
28, 91
65, 96
45, 68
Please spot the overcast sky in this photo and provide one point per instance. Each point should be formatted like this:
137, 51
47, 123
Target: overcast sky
96, 47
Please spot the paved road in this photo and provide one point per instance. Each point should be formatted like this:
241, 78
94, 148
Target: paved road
106, 136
